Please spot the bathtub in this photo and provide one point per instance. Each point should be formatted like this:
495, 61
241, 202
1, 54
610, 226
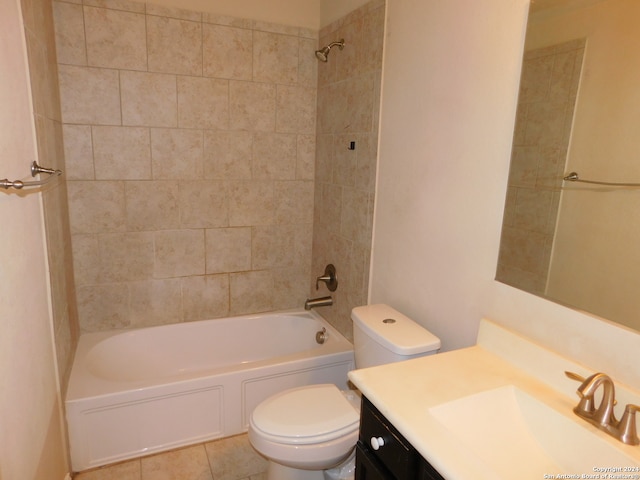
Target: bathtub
136, 392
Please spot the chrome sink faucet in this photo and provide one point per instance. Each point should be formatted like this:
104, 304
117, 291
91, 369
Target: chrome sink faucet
603, 417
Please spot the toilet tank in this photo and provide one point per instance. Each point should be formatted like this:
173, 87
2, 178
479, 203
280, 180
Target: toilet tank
382, 335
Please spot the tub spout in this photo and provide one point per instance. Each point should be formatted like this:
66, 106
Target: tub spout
318, 302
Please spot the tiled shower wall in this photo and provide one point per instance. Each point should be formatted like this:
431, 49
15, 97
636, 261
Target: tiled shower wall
190, 147
548, 90
348, 111
39, 34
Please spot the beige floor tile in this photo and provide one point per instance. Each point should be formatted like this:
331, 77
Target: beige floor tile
234, 458
121, 471
185, 464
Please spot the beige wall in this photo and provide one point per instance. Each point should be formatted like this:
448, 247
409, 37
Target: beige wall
31, 438
348, 110
446, 129
190, 144
595, 256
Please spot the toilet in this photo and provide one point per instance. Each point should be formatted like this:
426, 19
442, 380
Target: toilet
310, 433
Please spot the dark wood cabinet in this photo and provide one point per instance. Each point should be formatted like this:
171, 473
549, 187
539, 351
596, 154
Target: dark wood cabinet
383, 453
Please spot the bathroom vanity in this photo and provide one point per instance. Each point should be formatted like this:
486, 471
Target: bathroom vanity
501, 409
382, 452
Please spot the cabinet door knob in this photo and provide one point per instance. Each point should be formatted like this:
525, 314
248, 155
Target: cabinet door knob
377, 442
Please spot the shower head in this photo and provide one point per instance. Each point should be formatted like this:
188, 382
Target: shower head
323, 53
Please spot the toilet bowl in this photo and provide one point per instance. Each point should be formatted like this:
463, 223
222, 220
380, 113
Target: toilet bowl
307, 430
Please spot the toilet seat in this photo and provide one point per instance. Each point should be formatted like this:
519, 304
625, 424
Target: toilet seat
305, 415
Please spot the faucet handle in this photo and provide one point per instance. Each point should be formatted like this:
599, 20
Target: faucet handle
627, 426
574, 376
330, 278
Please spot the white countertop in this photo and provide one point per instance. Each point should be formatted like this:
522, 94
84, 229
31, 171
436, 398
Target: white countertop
405, 391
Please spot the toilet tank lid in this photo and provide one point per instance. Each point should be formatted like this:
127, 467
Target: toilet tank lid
393, 330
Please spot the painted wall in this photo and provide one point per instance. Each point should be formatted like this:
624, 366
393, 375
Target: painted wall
31, 445
448, 112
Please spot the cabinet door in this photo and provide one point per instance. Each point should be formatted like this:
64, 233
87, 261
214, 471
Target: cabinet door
396, 453
427, 472
368, 467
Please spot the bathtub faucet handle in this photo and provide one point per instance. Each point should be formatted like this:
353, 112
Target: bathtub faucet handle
329, 278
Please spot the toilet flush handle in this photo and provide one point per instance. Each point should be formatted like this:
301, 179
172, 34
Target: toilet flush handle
377, 443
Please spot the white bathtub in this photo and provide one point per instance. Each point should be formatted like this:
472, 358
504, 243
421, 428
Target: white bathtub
135, 392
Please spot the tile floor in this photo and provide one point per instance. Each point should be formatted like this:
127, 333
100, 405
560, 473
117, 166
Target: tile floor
230, 458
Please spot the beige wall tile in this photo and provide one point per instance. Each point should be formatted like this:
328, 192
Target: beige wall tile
274, 156
78, 152
367, 158
152, 205
203, 103
373, 39
306, 156
275, 58
228, 52
289, 30
241, 141
176, 154
96, 207
252, 106
205, 297
89, 95
149, 99
356, 218
179, 253
228, 250
203, 204
296, 109
344, 160
307, 62
86, 250
280, 246
227, 20
348, 106
291, 288
121, 153
174, 46
155, 302
103, 307
293, 202
70, 42
125, 257
124, 5
251, 292
227, 154
179, 13
251, 203
115, 39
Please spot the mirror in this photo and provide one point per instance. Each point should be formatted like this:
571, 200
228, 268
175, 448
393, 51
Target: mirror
579, 110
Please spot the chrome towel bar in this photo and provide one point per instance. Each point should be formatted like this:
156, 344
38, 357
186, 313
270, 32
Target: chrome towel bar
35, 170
573, 177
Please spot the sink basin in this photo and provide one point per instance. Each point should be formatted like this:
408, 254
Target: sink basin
517, 436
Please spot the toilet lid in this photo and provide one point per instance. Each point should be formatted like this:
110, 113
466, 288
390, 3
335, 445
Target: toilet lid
304, 415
